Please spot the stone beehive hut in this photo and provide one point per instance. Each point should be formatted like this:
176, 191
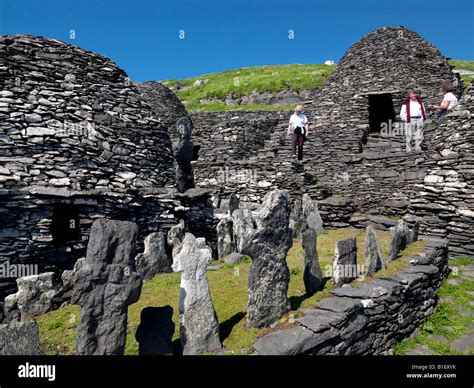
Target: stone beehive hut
76, 143
345, 154
376, 74
445, 199
355, 171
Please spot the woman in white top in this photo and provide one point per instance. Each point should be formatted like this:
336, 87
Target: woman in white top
298, 128
448, 104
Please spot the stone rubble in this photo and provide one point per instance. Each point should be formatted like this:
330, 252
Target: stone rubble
34, 297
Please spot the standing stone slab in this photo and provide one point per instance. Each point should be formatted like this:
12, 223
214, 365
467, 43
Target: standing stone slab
105, 284
184, 152
401, 237
19, 339
34, 297
269, 275
296, 218
374, 260
154, 259
243, 229
175, 236
199, 329
155, 331
234, 203
415, 231
345, 261
312, 275
225, 238
311, 214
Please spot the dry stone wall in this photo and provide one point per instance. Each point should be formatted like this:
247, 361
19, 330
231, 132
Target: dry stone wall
444, 200
370, 318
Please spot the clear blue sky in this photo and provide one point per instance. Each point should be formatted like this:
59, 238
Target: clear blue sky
142, 36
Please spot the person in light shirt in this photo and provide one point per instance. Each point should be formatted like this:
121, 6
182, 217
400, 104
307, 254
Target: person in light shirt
447, 105
414, 115
298, 128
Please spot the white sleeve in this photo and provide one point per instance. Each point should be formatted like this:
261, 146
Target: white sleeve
305, 120
403, 113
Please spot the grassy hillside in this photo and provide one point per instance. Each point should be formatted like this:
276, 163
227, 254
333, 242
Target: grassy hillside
207, 92
466, 66
228, 287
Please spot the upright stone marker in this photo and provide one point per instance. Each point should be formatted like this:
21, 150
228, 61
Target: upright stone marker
374, 260
225, 238
234, 203
184, 152
243, 229
34, 297
154, 259
311, 214
19, 339
345, 262
175, 236
105, 284
269, 275
401, 237
199, 329
312, 275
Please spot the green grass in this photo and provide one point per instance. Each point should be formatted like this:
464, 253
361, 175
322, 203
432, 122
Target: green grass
211, 93
459, 261
446, 321
228, 287
463, 65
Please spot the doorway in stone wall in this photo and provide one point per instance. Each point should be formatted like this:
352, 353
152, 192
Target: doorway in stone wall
65, 224
380, 111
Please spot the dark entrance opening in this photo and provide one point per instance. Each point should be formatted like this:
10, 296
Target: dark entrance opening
196, 149
65, 224
380, 111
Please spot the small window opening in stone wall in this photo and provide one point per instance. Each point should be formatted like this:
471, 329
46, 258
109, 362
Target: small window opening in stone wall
380, 111
65, 224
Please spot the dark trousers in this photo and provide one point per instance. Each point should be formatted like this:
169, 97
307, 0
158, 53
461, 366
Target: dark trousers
298, 140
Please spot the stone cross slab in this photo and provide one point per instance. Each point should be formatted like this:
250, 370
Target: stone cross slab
105, 284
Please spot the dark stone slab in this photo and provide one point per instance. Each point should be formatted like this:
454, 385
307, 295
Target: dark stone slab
339, 304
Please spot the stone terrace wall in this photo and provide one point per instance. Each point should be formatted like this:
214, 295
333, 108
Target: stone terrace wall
368, 319
372, 177
445, 198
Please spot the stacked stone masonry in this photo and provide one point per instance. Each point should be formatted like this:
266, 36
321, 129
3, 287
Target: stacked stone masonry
356, 172
367, 319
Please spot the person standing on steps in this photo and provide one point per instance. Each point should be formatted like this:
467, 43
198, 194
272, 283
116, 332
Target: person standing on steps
414, 115
298, 128
447, 105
